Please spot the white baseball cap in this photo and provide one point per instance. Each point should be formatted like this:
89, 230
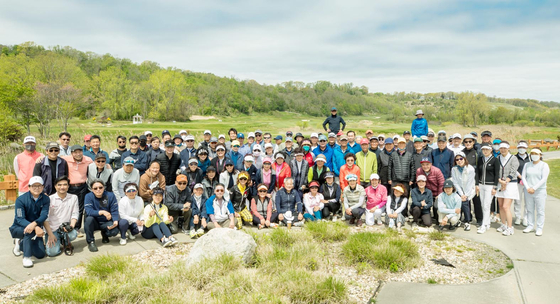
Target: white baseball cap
35, 180
29, 139
148, 132
221, 136
182, 131
314, 135
207, 132
374, 176
268, 145
251, 134
189, 137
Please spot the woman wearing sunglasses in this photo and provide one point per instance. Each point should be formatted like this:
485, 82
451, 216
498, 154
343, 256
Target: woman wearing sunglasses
262, 209
507, 187
240, 195
463, 177
203, 161
131, 213
156, 220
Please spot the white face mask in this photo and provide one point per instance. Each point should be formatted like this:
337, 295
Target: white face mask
522, 150
256, 154
496, 147
535, 157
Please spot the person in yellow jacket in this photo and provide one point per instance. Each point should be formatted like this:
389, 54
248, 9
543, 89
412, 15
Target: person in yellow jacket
156, 219
367, 162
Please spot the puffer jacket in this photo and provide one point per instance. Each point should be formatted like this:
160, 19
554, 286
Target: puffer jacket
464, 181
401, 167
417, 157
169, 166
383, 166
210, 185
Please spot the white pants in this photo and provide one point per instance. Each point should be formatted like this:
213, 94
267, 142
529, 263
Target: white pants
520, 202
535, 202
453, 219
486, 201
371, 217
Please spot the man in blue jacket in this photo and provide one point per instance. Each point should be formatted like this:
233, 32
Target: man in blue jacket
102, 213
324, 149
339, 153
288, 204
419, 125
31, 211
139, 156
443, 157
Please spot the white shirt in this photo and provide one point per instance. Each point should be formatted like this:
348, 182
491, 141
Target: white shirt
62, 210
131, 210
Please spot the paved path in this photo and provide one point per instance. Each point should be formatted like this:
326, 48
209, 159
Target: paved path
534, 279
551, 155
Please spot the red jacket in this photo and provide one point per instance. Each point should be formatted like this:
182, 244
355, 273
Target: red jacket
309, 158
281, 173
344, 170
434, 181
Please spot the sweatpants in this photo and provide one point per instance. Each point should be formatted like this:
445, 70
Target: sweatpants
520, 205
371, 217
535, 204
421, 218
91, 225
125, 226
156, 231
29, 246
331, 208
485, 201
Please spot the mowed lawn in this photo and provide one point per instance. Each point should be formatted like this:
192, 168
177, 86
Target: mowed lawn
553, 184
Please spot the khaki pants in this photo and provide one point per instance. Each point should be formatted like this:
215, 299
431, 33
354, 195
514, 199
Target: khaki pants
453, 220
224, 224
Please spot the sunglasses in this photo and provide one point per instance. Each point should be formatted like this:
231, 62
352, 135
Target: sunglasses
66, 139
193, 164
97, 188
258, 135
256, 150
243, 178
266, 137
100, 161
133, 142
262, 191
469, 141
236, 146
182, 183
53, 150
219, 190
322, 141
426, 141
131, 191
190, 140
121, 142
459, 159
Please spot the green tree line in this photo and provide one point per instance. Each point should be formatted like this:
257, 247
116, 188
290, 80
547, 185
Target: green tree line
40, 86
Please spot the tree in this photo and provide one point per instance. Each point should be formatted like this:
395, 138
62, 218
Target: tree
471, 107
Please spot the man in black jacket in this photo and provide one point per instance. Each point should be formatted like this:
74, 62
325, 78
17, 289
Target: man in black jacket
401, 168
178, 202
170, 162
334, 122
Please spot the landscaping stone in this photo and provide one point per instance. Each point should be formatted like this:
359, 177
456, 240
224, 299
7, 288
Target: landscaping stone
223, 241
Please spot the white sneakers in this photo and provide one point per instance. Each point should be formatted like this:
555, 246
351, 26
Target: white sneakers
538, 232
122, 242
27, 262
467, 227
508, 231
481, 229
528, 230
334, 218
130, 236
16, 250
517, 221
501, 228
525, 222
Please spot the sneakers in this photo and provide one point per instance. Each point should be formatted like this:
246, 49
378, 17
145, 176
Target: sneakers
467, 227
272, 225
105, 238
16, 250
379, 222
501, 228
517, 221
451, 227
200, 232
166, 242
481, 229
92, 247
528, 230
80, 234
525, 222
173, 241
298, 224
192, 234
122, 242
130, 236
507, 231
27, 262
391, 223
261, 226
538, 232
334, 218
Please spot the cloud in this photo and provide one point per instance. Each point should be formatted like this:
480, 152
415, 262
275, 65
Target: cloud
503, 48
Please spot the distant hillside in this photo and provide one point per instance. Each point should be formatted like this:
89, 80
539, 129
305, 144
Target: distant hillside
37, 83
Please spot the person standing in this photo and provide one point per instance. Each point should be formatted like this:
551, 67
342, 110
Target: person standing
170, 162
95, 142
31, 211
51, 168
327, 151
535, 174
488, 170
99, 170
116, 155
507, 190
383, 163
24, 163
523, 158
77, 172
334, 122
126, 174
367, 162
140, 159
419, 126
443, 157
300, 170
401, 168
434, 181
64, 139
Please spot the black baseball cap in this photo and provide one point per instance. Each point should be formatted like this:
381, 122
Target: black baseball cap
406, 132
486, 133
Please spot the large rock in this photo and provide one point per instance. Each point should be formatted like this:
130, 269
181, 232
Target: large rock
223, 241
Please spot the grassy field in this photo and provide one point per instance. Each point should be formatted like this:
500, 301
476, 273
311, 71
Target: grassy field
553, 183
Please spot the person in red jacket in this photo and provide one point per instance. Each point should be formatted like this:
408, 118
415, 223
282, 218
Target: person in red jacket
307, 154
434, 180
282, 170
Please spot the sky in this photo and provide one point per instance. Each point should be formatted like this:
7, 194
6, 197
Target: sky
501, 48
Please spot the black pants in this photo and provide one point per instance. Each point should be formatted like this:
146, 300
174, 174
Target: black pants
419, 218
494, 207
81, 192
466, 211
186, 222
435, 211
273, 219
477, 205
407, 189
331, 208
91, 225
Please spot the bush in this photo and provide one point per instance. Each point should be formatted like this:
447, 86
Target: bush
328, 232
437, 236
103, 266
10, 130
383, 251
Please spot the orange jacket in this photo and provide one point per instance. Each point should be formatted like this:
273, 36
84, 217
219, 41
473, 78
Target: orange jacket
281, 173
344, 170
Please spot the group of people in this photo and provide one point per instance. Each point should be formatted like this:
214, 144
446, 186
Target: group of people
157, 187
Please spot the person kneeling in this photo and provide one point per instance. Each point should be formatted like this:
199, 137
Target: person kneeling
313, 202
156, 218
102, 213
220, 210
354, 200
261, 207
31, 210
449, 206
199, 220
288, 203
396, 204
63, 209
376, 199
131, 213
422, 201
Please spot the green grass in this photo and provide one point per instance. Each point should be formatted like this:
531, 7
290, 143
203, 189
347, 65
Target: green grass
437, 236
382, 251
104, 265
554, 178
431, 281
328, 232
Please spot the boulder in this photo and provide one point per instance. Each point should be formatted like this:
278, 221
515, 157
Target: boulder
220, 241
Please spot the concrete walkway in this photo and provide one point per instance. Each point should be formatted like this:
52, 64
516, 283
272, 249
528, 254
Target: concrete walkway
534, 279
551, 155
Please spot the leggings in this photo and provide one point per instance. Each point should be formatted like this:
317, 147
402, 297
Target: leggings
156, 231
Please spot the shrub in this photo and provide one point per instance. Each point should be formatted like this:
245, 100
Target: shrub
10, 130
104, 265
328, 232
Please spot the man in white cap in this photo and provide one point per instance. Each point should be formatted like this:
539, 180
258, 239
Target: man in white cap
456, 145
31, 211
25, 162
188, 152
518, 204
51, 168
419, 125
206, 143
247, 148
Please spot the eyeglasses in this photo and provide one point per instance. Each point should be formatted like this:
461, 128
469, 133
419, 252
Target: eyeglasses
97, 188
133, 142
459, 159
65, 139
322, 141
100, 161
236, 146
219, 190
128, 191
190, 140
426, 141
36, 186
182, 183
53, 150
262, 191
258, 135
229, 165
256, 150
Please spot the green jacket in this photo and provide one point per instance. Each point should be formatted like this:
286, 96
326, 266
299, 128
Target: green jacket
367, 164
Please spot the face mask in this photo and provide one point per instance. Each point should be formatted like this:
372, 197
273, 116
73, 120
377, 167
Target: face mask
257, 154
184, 137
306, 148
522, 150
30, 148
142, 144
535, 157
400, 150
496, 147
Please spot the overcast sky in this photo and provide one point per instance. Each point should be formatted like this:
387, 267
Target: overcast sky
501, 48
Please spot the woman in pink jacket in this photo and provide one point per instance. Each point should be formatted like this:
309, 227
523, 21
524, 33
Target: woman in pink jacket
376, 198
